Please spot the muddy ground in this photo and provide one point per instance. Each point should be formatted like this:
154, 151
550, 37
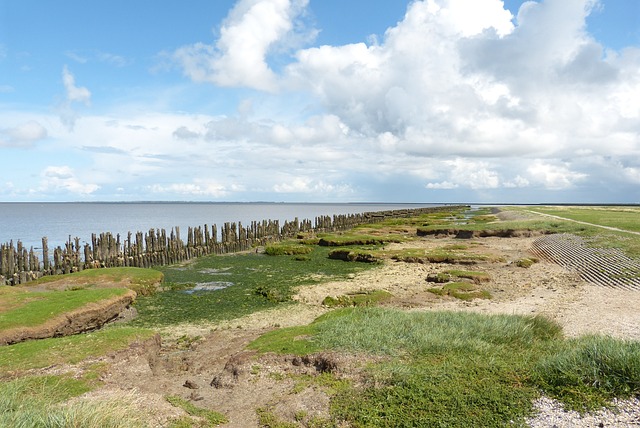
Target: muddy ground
216, 372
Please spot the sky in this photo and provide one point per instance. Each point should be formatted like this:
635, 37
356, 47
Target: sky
433, 101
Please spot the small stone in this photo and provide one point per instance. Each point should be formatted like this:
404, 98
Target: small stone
190, 384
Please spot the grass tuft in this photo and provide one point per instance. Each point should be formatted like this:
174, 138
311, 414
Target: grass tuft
526, 262
211, 417
461, 290
467, 274
366, 298
589, 371
49, 405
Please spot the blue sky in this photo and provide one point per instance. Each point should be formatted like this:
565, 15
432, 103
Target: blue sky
327, 101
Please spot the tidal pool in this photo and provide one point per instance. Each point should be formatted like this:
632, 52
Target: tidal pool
208, 286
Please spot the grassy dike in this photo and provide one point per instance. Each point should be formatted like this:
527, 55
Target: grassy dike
422, 369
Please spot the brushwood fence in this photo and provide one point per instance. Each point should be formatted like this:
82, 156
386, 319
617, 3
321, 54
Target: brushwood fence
19, 265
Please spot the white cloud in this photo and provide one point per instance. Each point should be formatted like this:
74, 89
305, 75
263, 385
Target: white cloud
556, 176
517, 182
447, 185
473, 174
457, 96
632, 174
74, 93
23, 135
184, 133
312, 187
58, 179
251, 31
197, 188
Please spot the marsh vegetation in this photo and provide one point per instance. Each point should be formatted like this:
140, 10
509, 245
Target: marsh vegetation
408, 368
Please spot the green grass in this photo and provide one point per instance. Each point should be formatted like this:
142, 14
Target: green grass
620, 217
42, 402
20, 307
461, 290
367, 298
625, 218
268, 419
437, 255
210, 417
526, 262
55, 389
447, 368
71, 349
292, 340
468, 274
458, 369
287, 249
142, 281
348, 239
259, 282
589, 371
350, 254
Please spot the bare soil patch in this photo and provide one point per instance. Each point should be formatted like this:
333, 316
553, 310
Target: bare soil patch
214, 370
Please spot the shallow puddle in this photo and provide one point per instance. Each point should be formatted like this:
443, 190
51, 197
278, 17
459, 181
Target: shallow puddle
209, 286
212, 271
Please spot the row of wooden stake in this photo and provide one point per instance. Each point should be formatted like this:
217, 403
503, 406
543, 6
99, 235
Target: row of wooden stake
156, 248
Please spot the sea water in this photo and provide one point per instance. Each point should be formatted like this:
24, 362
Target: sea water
30, 222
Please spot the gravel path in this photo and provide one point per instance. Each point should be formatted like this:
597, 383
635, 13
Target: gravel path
625, 414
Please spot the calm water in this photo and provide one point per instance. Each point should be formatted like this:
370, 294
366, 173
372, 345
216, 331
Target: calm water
29, 222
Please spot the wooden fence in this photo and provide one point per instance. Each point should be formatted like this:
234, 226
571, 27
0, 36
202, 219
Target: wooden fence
156, 248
